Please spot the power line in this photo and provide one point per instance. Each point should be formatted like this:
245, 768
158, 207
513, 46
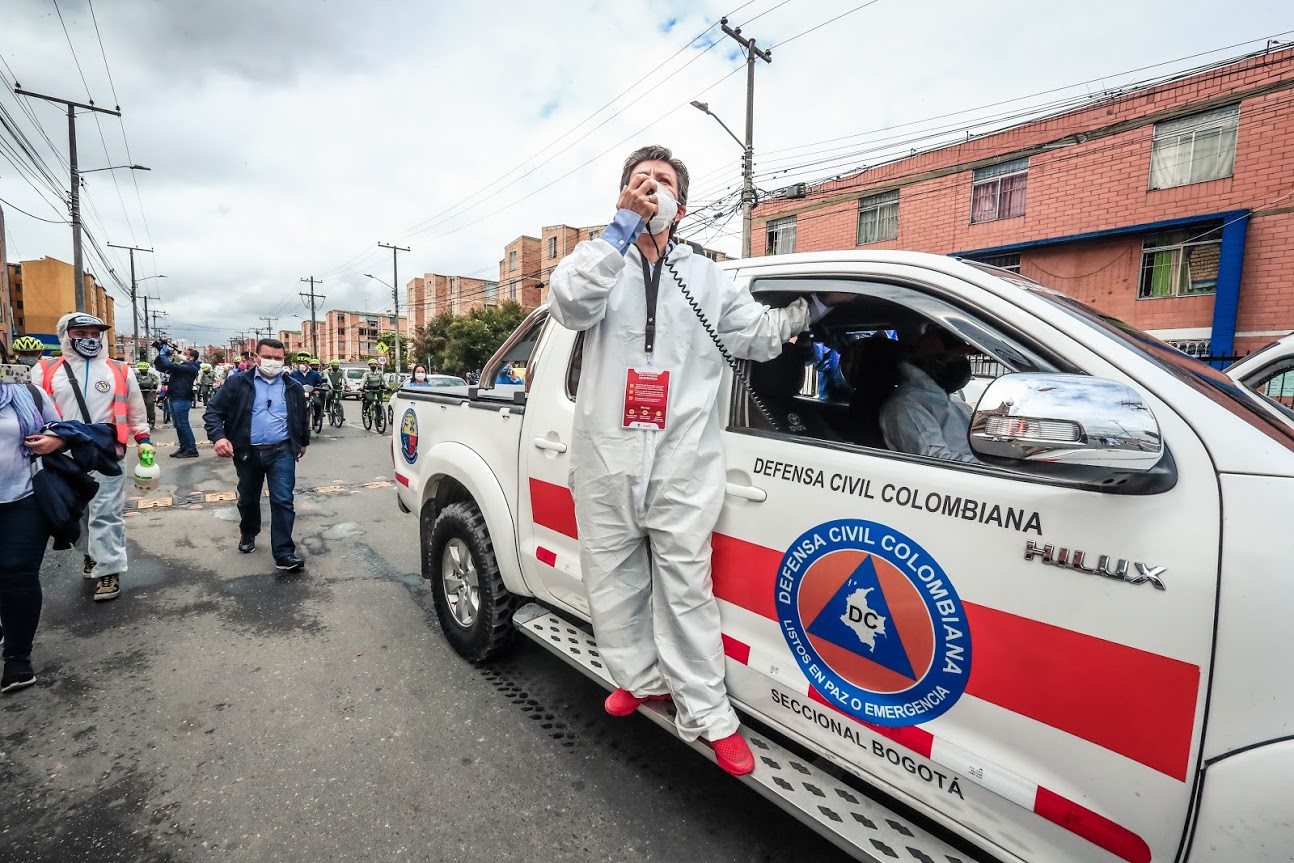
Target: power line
30, 215
358, 260
825, 23
67, 36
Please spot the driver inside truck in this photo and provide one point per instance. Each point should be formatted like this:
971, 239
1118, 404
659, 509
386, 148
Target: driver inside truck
921, 416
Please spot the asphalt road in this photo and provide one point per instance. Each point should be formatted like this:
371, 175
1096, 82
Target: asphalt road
219, 709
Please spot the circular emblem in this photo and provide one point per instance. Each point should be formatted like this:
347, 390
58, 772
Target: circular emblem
102, 386
409, 436
873, 622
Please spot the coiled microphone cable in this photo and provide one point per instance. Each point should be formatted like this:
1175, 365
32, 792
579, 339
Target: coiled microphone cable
742, 377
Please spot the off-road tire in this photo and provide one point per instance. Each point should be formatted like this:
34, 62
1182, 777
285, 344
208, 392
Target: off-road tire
492, 632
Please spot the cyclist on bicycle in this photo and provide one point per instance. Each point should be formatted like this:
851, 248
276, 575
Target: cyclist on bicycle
337, 380
374, 384
311, 380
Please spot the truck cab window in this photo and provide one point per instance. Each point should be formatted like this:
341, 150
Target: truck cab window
573, 370
834, 383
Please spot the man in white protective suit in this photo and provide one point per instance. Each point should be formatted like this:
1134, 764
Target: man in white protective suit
89, 386
647, 467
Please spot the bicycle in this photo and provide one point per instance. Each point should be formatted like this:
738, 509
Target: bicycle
317, 396
336, 413
373, 414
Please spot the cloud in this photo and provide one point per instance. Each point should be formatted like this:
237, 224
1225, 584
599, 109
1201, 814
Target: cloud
287, 138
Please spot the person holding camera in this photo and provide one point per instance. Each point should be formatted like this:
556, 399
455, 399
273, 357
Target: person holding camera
88, 385
179, 391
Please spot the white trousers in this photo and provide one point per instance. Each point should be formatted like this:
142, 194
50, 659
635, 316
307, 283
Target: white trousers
652, 602
103, 527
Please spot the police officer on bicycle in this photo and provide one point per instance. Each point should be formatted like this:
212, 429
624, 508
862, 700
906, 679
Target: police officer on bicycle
336, 380
374, 384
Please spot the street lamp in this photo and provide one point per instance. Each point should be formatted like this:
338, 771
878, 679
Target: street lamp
116, 168
747, 171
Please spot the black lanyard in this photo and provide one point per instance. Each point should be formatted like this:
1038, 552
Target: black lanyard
651, 280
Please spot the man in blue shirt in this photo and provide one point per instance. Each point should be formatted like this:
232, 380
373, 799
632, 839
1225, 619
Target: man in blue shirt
258, 418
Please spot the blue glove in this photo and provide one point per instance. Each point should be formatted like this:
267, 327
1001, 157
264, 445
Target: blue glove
165, 351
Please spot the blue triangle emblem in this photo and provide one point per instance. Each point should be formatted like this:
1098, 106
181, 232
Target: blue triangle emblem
858, 619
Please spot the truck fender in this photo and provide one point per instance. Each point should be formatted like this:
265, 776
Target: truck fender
454, 461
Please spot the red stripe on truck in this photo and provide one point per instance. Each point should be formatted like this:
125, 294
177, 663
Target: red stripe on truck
553, 507
1077, 683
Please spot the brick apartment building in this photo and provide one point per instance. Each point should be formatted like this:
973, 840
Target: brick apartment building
41, 292
1170, 207
435, 294
345, 335
293, 342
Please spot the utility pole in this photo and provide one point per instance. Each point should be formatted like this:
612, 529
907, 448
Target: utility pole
147, 338
748, 159
314, 322
134, 305
78, 263
269, 326
156, 314
395, 295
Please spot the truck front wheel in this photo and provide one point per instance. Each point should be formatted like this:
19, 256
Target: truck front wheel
472, 604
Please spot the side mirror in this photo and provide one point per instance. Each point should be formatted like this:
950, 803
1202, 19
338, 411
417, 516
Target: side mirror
1066, 420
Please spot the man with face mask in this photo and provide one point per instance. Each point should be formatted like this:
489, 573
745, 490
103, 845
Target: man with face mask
259, 419
89, 386
180, 388
647, 468
921, 417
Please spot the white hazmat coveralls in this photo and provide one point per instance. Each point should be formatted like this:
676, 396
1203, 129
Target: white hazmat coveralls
921, 419
646, 502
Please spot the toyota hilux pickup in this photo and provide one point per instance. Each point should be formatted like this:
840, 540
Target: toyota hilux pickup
1073, 648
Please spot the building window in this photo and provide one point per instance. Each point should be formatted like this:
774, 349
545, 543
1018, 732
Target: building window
1004, 262
1180, 264
512, 289
781, 236
878, 217
1194, 149
512, 260
491, 292
997, 192
552, 247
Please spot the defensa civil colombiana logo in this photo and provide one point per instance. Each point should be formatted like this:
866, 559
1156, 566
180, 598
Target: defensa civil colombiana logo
409, 436
874, 622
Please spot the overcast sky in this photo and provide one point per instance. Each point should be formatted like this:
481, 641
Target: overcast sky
287, 137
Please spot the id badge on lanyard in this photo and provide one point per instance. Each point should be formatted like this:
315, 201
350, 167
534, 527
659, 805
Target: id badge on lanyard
647, 390
646, 399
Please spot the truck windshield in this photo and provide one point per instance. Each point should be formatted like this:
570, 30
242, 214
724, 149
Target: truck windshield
1203, 378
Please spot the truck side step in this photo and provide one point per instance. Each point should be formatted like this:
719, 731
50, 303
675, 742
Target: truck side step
859, 825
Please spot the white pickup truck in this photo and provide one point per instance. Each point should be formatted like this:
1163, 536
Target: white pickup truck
1076, 649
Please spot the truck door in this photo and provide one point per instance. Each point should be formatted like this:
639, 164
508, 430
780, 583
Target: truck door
954, 630
550, 552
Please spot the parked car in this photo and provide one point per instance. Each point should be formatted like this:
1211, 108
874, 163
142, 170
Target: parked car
1070, 654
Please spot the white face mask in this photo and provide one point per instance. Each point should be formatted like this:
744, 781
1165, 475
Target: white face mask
422, 376
666, 210
271, 368
28, 361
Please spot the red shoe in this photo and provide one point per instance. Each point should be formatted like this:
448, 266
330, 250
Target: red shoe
733, 754
622, 702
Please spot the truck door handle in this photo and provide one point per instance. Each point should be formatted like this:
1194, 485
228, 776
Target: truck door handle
553, 445
746, 492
